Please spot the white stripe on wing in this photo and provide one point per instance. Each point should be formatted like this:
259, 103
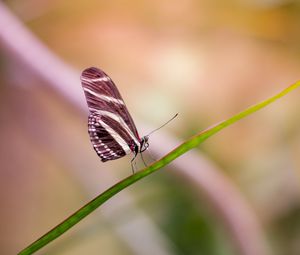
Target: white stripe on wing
120, 120
117, 138
104, 78
104, 97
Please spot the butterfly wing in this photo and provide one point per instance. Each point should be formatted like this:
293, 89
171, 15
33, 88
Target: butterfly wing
106, 142
109, 117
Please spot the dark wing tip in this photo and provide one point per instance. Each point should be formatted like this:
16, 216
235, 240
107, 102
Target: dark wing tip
91, 72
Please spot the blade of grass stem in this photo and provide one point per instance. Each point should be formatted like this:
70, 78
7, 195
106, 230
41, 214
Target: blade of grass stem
181, 149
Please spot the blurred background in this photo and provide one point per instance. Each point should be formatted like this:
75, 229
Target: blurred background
206, 60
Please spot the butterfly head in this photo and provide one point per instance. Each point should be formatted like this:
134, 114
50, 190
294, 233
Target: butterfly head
144, 143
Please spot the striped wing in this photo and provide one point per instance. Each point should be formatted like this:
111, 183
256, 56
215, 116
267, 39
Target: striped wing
106, 142
102, 94
111, 128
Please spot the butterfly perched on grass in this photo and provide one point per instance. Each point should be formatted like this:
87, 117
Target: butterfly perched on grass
110, 126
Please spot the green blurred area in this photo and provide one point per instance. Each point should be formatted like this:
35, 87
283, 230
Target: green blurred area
190, 224
204, 59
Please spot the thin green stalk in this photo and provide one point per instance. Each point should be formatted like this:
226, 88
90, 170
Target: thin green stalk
181, 149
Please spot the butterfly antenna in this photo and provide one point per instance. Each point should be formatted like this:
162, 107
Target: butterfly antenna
163, 124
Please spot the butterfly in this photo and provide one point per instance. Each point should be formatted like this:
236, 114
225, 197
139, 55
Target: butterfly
111, 129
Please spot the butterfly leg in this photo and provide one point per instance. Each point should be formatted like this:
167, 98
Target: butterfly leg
133, 162
143, 160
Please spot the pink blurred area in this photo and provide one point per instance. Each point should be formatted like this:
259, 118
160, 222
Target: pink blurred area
206, 60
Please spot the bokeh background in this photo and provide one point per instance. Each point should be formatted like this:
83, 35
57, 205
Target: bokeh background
206, 60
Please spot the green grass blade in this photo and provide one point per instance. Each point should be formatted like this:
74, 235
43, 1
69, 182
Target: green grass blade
181, 149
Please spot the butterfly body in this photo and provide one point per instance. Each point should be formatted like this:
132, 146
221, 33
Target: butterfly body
110, 126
